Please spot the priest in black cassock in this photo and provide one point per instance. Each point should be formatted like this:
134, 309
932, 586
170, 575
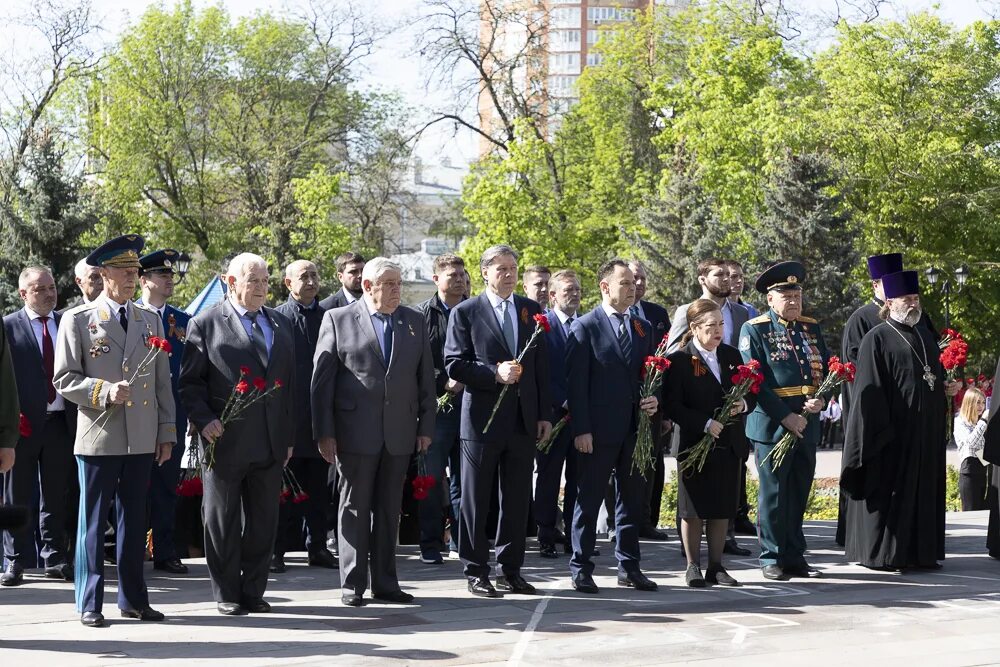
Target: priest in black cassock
894, 455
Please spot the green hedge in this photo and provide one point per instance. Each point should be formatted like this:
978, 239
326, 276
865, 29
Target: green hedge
823, 498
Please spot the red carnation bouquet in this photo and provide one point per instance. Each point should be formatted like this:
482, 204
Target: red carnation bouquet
291, 489
24, 426
541, 326
652, 377
245, 393
545, 444
422, 483
747, 380
954, 353
838, 374
154, 346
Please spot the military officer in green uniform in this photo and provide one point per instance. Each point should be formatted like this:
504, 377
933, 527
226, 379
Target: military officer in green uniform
793, 359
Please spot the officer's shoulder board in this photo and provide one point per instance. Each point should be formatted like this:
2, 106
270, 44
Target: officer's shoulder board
77, 310
145, 307
760, 319
807, 320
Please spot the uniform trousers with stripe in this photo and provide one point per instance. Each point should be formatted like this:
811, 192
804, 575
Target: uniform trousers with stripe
123, 479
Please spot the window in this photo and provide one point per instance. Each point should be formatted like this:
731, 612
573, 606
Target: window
564, 63
565, 40
594, 59
593, 36
565, 17
564, 2
562, 86
609, 14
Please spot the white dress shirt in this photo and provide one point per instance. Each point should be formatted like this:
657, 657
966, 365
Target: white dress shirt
379, 325
564, 318
36, 328
350, 297
497, 302
615, 322
262, 322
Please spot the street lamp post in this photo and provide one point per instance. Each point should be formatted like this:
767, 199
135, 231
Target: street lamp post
961, 275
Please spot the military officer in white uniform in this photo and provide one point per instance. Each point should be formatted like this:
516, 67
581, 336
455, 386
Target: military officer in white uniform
125, 420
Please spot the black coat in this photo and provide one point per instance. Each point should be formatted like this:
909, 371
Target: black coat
335, 300
305, 326
436, 321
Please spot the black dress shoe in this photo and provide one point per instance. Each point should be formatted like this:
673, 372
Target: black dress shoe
743, 526
804, 571
774, 573
546, 550
731, 547
277, 564
719, 577
13, 576
584, 583
64, 572
230, 609
171, 565
144, 614
559, 538
652, 533
351, 599
92, 619
398, 597
515, 583
482, 587
636, 580
259, 606
693, 576
323, 558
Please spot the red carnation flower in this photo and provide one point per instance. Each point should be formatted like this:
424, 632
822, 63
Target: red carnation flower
164, 345
24, 426
242, 387
153, 341
259, 384
543, 322
279, 384
244, 370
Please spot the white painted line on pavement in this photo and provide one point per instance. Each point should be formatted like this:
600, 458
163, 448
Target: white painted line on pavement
529, 629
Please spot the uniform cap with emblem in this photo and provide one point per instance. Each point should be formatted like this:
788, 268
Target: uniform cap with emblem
781, 276
160, 261
881, 265
900, 284
120, 253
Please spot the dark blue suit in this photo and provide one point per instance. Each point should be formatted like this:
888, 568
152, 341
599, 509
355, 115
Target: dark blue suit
163, 480
45, 473
549, 465
474, 348
603, 390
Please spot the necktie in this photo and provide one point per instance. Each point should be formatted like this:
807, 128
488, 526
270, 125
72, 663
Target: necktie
123, 318
634, 310
259, 342
569, 324
48, 358
386, 336
623, 338
508, 329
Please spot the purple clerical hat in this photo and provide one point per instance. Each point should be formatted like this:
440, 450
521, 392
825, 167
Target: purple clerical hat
900, 284
880, 265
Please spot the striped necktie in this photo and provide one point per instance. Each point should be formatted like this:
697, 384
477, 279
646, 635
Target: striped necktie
623, 338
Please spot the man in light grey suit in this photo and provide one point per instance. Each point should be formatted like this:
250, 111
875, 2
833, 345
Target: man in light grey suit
243, 487
713, 276
373, 405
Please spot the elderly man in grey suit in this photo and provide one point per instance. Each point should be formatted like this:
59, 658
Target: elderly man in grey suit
243, 486
125, 416
373, 405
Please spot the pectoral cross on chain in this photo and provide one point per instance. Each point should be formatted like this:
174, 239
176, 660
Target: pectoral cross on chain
929, 377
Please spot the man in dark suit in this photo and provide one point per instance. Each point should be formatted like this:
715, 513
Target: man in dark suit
564, 295
156, 278
250, 453
485, 336
46, 467
349, 268
605, 355
449, 276
308, 467
373, 407
9, 407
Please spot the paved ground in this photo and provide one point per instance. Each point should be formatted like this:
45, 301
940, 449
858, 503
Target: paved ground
850, 617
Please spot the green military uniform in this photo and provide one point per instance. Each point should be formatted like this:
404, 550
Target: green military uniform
793, 359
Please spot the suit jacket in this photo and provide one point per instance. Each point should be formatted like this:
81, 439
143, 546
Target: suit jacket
305, 326
335, 300
92, 353
217, 346
474, 348
358, 398
679, 325
658, 317
9, 407
175, 323
555, 342
691, 400
32, 390
603, 386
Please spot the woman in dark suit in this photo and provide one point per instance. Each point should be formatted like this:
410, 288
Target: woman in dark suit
694, 388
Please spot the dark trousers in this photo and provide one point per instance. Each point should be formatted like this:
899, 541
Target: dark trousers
592, 474
238, 556
44, 471
972, 484
512, 459
781, 505
307, 518
371, 491
163, 504
654, 486
126, 480
549, 468
333, 507
431, 509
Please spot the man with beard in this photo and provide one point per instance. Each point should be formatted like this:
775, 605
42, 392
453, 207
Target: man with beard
894, 459
349, 268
